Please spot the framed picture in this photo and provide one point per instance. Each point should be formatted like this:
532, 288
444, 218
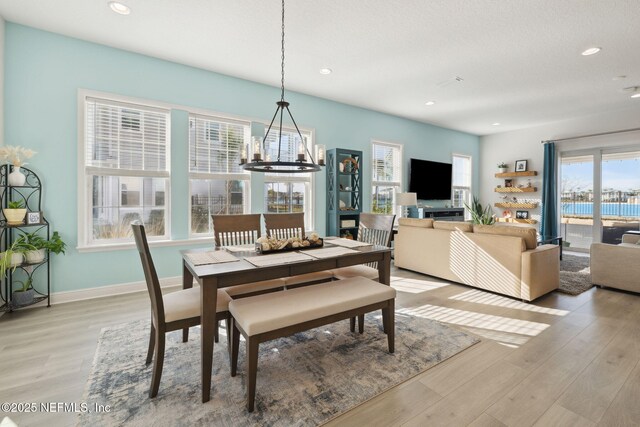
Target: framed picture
522, 214
521, 166
508, 183
34, 217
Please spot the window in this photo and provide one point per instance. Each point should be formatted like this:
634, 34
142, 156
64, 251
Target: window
290, 192
218, 185
125, 171
387, 176
461, 181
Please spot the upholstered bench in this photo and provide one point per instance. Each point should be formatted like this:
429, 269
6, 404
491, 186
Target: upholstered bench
269, 316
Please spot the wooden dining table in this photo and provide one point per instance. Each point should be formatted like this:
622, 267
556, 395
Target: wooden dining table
210, 277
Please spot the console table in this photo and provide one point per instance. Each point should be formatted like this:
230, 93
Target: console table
440, 214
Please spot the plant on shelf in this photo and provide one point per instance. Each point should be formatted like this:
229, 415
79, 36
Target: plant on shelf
502, 167
13, 256
15, 212
480, 214
39, 245
25, 294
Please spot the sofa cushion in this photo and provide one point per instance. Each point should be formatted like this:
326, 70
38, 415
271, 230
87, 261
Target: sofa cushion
416, 222
453, 225
526, 233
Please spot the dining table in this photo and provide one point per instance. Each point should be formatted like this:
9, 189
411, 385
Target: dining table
213, 276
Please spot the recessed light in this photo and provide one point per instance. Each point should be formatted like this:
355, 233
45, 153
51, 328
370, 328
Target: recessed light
495, 124
429, 102
591, 51
636, 95
325, 71
120, 8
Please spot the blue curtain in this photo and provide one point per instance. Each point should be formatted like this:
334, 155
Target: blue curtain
549, 226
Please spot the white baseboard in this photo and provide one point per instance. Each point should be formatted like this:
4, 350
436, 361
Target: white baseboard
110, 290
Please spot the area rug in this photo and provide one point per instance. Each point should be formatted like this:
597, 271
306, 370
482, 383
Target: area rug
303, 380
575, 275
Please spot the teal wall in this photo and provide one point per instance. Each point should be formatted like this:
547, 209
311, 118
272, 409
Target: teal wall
43, 72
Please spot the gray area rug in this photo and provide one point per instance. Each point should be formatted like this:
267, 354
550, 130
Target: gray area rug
303, 380
575, 275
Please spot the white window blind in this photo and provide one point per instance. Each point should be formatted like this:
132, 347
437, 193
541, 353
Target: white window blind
215, 144
386, 176
386, 162
218, 184
125, 168
123, 138
288, 192
461, 181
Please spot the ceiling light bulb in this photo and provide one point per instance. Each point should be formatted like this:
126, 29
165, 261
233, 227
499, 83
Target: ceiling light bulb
591, 51
636, 95
495, 124
120, 8
429, 102
325, 71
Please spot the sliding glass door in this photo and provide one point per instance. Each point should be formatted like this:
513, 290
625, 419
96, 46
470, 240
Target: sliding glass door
620, 196
576, 200
599, 196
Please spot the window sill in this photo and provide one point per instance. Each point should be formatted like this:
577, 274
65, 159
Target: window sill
152, 244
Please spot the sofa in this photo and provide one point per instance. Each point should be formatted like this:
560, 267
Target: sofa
503, 259
617, 266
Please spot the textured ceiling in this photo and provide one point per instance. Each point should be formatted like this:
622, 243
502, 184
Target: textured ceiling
519, 59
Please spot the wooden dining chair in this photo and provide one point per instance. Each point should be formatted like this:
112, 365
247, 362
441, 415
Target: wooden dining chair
242, 229
171, 312
376, 229
285, 226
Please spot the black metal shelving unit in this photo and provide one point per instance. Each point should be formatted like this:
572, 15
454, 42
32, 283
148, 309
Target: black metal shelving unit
31, 194
344, 191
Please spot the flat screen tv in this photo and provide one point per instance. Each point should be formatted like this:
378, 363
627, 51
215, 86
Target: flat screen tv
430, 180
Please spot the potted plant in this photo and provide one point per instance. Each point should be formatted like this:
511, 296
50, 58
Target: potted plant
480, 214
23, 295
502, 167
38, 245
15, 212
13, 256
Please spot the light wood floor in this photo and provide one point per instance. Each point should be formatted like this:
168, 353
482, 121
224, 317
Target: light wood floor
563, 360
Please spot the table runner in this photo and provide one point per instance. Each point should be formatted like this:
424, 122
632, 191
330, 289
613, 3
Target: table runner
278, 259
348, 243
213, 257
331, 251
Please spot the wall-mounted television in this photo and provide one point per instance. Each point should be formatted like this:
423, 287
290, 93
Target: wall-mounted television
430, 180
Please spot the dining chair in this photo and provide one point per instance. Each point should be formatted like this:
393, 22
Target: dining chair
242, 229
376, 229
284, 225
171, 312
288, 225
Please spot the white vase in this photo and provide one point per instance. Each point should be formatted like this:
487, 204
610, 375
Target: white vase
17, 178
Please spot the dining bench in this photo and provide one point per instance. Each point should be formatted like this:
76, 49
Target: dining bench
266, 317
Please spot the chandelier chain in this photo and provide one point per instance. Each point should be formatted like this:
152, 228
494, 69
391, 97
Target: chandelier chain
282, 63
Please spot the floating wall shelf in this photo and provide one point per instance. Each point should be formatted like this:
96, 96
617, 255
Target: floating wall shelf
521, 221
516, 190
516, 174
516, 205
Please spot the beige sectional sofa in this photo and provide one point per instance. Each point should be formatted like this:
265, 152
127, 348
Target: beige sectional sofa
502, 259
617, 266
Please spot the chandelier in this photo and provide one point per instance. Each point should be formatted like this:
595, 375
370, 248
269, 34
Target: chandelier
261, 161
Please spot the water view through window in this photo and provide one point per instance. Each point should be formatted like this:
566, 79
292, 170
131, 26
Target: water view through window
586, 215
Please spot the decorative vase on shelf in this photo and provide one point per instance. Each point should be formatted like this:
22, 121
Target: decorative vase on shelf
17, 178
503, 170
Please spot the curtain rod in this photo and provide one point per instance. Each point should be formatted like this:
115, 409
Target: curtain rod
591, 135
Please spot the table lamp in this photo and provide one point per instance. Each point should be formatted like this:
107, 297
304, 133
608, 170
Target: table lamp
404, 200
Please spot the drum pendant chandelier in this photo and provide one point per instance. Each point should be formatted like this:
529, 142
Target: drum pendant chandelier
261, 161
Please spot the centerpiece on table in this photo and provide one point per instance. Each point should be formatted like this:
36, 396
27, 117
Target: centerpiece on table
16, 155
265, 245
